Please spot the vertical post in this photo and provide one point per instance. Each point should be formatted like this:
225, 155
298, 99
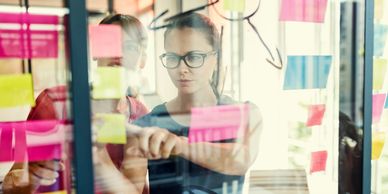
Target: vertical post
368, 81
110, 6
77, 39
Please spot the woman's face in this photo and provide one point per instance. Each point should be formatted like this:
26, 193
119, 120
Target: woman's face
132, 57
188, 40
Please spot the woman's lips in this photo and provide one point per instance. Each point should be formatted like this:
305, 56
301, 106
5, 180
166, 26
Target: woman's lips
184, 82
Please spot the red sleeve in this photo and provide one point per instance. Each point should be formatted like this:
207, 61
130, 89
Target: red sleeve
44, 108
138, 109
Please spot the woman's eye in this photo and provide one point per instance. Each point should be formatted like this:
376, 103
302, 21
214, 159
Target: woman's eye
193, 58
172, 59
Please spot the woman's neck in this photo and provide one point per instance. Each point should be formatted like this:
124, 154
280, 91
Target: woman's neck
201, 98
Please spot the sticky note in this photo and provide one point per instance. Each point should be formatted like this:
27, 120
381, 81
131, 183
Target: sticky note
377, 107
379, 73
16, 90
27, 18
303, 10
56, 192
386, 102
33, 140
112, 129
105, 41
218, 123
315, 115
307, 72
318, 161
234, 5
379, 9
378, 141
380, 39
109, 83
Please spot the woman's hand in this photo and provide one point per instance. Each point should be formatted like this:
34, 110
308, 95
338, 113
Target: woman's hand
27, 177
156, 143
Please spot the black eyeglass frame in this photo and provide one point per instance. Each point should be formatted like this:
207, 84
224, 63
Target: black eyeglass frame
180, 58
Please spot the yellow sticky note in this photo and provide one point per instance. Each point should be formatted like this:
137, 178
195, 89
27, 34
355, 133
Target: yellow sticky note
379, 73
234, 5
109, 83
16, 90
112, 129
378, 140
56, 192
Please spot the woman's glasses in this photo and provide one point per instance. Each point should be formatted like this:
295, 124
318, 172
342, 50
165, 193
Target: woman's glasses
191, 59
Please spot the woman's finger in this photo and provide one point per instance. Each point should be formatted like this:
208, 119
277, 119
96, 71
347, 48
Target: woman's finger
156, 141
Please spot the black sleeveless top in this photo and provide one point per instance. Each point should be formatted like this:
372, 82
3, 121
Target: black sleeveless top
177, 175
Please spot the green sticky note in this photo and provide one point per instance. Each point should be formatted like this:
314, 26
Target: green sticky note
109, 83
16, 90
112, 128
234, 5
379, 73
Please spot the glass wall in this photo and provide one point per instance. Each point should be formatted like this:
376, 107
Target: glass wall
380, 89
193, 96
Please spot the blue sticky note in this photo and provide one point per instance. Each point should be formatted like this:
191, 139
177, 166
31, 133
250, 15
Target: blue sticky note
386, 102
380, 39
307, 72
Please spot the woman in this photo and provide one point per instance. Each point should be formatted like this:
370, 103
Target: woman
174, 165
45, 176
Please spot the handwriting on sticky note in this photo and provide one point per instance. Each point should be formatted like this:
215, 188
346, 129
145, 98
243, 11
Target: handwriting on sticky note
218, 123
307, 72
234, 5
379, 73
315, 115
318, 161
105, 41
377, 106
109, 83
378, 141
16, 90
303, 10
112, 129
28, 43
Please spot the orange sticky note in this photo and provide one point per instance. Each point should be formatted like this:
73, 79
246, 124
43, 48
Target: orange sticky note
318, 161
379, 73
105, 41
16, 90
378, 141
315, 115
234, 5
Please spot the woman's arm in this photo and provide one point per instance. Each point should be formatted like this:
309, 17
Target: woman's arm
227, 158
134, 165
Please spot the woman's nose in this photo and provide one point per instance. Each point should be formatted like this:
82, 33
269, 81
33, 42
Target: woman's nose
182, 67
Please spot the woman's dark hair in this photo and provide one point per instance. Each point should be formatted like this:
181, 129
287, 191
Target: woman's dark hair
203, 24
131, 25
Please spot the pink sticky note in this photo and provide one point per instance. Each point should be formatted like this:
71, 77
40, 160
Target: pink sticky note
26, 18
218, 123
303, 10
315, 115
34, 140
318, 161
105, 41
378, 106
28, 43
6, 143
